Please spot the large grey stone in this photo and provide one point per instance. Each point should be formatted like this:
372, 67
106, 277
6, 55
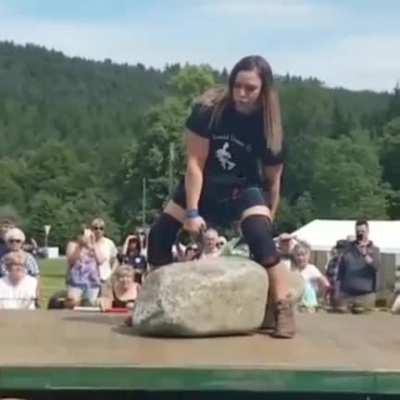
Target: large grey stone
215, 296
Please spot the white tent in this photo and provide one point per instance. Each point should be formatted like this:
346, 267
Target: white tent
323, 234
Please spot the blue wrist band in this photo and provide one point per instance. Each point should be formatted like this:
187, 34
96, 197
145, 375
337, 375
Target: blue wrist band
193, 213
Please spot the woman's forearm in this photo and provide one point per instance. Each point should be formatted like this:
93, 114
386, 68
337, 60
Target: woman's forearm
274, 194
193, 185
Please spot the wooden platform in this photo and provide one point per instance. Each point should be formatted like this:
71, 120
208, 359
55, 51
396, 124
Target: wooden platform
53, 350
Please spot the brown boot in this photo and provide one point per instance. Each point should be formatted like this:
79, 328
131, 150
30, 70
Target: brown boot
284, 316
269, 322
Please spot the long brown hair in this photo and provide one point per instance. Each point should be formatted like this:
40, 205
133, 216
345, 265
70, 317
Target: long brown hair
220, 97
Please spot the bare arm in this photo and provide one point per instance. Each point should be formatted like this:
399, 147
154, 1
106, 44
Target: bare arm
97, 252
273, 176
72, 253
197, 149
323, 282
107, 297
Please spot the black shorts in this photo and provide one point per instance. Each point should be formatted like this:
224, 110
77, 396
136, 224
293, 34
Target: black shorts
220, 205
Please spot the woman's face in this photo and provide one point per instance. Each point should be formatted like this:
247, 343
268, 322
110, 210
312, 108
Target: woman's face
133, 247
211, 241
125, 281
16, 273
14, 244
301, 257
246, 91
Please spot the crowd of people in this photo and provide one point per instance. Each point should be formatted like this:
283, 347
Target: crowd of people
351, 278
101, 274
98, 273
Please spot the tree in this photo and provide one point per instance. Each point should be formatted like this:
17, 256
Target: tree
149, 157
347, 181
394, 104
389, 155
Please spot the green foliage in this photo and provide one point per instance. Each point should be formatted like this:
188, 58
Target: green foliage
389, 153
347, 180
158, 153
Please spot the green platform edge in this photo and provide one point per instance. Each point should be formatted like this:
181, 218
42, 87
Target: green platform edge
190, 379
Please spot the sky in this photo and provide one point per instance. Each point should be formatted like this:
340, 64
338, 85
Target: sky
348, 43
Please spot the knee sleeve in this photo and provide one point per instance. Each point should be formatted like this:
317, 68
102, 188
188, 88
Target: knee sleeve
161, 238
257, 234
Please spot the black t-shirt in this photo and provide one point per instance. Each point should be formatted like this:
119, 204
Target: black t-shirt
238, 148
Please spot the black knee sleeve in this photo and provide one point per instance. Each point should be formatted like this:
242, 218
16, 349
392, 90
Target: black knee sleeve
161, 238
257, 234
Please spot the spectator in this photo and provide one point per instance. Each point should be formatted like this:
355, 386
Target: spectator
358, 272
31, 247
132, 255
18, 290
332, 269
286, 244
83, 278
107, 251
396, 292
121, 291
142, 235
222, 242
5, 225
210, 244
15, 239
315, 282
192, 252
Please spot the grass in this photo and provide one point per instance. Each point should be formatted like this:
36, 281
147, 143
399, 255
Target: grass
52, 278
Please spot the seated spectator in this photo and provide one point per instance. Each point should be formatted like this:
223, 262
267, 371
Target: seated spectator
396, 292
83, 276
192, 252
396, 305
132, 255
222, 242
315, 282
142, 235
18, 290
211, 244
358, 273
286, 243
15, 239
122, 290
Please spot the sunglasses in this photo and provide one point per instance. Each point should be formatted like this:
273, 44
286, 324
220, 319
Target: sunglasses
14, 241
98, 228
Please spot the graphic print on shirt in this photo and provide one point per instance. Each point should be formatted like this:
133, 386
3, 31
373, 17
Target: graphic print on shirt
224, 157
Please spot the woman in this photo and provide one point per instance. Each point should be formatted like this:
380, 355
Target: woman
211, 246
132, 255
15, 239
18, 290
315, 282
235, 152
83, 280
122, 290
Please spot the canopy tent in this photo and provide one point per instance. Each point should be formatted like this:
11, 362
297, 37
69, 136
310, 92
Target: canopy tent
323, 234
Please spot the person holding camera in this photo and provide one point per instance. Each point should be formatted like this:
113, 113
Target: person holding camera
83, 277
358, 272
